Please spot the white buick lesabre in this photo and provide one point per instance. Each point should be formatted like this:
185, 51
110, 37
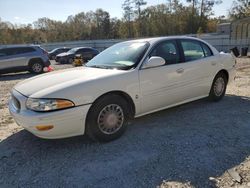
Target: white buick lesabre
127, 80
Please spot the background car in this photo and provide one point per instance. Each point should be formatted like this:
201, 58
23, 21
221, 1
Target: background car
68, 57
53, 53
23, 58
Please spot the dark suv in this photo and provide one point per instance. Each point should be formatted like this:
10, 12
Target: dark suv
22, 58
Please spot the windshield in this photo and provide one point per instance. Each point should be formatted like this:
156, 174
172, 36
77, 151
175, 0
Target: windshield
73, 50
120, 56
54, 50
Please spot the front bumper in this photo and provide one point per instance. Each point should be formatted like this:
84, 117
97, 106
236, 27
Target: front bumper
66, 123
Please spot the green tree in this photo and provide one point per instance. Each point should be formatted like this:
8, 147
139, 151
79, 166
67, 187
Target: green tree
127, 7
240, 9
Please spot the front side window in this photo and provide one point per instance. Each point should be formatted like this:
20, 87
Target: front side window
168, 51
192, 50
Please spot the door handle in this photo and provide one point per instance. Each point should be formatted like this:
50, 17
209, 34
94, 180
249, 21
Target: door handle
213, 63
181, 70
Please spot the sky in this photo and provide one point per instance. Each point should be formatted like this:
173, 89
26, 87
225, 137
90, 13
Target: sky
28, 11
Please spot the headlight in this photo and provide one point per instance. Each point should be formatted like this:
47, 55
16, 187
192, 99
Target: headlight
45, 105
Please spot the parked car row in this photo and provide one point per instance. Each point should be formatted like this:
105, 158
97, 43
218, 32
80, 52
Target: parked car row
35, 59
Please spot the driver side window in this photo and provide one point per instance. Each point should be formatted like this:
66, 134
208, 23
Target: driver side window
168, 51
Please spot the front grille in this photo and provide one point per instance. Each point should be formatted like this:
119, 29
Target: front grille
16, 103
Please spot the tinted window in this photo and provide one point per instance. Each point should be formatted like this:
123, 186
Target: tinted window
80, 51
207, 50
24, 50
15, 51
8, 51
192, 50
168, 51
2, 53
65, 50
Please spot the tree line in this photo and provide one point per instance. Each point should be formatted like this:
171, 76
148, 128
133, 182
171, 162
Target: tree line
138, 20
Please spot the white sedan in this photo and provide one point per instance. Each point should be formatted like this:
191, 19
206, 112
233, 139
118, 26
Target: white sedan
127, 80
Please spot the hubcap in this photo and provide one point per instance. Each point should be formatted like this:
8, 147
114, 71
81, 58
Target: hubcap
110, 119
37, 67
219, 86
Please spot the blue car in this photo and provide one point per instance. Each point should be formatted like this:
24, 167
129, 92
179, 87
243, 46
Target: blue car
23, 58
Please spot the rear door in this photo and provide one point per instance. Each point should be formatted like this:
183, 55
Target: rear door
23, 55
199, 68
8, 58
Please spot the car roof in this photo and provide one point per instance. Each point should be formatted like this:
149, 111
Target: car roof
83, 48
157, 39
20, 46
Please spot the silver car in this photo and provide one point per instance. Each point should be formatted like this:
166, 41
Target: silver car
23, 58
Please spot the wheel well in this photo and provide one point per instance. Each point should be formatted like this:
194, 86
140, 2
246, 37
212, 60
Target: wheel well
224, 72
34, 60
126, 97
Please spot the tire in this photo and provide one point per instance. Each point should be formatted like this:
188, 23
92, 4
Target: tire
107, 118
36, 67
219, 86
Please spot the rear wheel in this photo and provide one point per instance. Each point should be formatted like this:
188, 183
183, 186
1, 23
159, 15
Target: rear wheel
218, 88
36, 67
107, 118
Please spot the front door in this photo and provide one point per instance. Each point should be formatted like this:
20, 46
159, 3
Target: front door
161, 86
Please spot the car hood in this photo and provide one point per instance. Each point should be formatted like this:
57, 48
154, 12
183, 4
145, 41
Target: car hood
42, 85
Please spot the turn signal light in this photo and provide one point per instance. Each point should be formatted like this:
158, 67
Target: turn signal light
44, 127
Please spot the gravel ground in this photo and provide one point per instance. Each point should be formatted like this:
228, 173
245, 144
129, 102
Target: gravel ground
192, 145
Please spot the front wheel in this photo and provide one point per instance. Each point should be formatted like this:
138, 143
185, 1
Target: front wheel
107, 118
218, 88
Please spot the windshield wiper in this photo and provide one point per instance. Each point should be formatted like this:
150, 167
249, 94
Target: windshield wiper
100, 67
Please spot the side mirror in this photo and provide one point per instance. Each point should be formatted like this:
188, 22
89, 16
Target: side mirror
154, 61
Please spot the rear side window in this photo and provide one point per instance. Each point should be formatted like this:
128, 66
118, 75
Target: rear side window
168, 51
207, 50
15, 51
192, 50
24, 50
2, 52
8, 51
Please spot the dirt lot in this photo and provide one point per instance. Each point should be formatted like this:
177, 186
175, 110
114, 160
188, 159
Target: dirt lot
200, 144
